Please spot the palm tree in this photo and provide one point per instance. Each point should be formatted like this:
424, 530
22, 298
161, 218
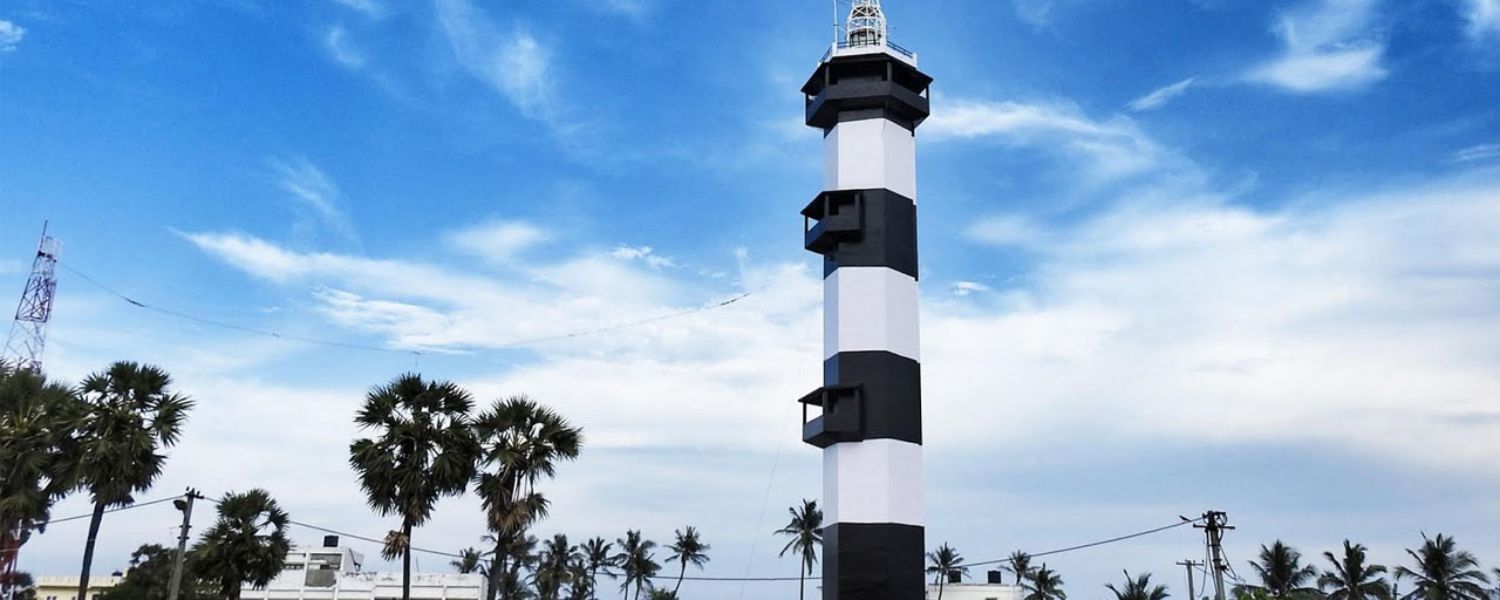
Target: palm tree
1138, 588
469, 561
1045, 584
1444, 572
522, 441
1020, 564
39, 449
128, 415
688, 549
806, 531
1282, 573
552, 569
248, 543
636, 562
1496, 581
662, 595
1352, 578
944, 563
423, 450
596, 556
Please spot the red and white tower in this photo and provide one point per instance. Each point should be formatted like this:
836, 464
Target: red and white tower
868, 98
28, 333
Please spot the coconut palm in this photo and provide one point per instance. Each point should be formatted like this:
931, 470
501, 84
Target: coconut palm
128, 415
470, 560
1044, 584
521, 441
806, 531
1444, 572
596, 559
1138, 588
636, 562
246, 545
1353, 577
1282, 573
688, 549
1020, 564
554, 567
422, 450
39, 449
943, 563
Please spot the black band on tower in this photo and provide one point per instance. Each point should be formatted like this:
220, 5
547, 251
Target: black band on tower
863, 228
873, 561
867, 86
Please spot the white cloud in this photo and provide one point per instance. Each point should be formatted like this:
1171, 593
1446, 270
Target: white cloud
645, 254
342, 49
1484, 17
1036, 13
969, 288
1162, 96
497, 241
1005, 230
11, 35
1481, 152
1106, 150
370, 8
1329, 46
515, 65
314, 192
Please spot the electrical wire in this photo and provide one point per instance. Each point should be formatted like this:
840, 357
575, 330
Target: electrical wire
416, 353
90, 515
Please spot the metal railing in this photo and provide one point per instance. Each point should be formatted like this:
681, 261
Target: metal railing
869, 44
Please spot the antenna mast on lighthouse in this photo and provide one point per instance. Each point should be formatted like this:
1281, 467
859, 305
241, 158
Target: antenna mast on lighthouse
28, 333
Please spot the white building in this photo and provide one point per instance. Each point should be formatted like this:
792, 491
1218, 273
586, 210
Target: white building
333, 572
995, 590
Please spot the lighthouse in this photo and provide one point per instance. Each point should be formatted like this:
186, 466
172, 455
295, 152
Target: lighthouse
868, 97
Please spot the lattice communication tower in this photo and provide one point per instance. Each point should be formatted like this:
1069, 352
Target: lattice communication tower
28, 333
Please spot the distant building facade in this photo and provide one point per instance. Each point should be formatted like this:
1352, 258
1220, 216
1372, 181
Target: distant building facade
66, 588
333, 572
996, 589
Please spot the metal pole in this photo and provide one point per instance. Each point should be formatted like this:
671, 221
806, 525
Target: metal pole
1215, 523
186, 506
1192, 589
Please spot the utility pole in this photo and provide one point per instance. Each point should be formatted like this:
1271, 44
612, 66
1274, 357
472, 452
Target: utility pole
1192, 590
184, 504
1215, 523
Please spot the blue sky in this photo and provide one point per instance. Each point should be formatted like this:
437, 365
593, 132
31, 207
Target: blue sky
1177, 255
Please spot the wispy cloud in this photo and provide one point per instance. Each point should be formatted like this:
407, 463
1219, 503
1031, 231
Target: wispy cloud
1112, 148
369, 8
11, 35
1328, 45
314, 193
1162, 96
1036, 13
1484, 17
342, 49
515, 64
497, 241
1481, 152
644, 254
969, 288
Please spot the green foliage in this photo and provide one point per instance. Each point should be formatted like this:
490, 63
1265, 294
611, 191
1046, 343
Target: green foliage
688, 549
1020, 564
1044, 584
1282, 573
150, 576
470, 560
1353, 577
554, 568
662, 595
38, 447
519, 442
1444, 572
246, 545
806, 531
1138, 588
422, 450
636, 562
596, 559
944, 563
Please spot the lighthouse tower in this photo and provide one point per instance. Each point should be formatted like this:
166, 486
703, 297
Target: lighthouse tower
868, 98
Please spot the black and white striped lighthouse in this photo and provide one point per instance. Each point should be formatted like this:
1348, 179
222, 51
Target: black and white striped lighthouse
868, 97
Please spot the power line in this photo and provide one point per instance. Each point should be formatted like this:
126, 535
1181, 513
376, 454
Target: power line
368, 348
89, 515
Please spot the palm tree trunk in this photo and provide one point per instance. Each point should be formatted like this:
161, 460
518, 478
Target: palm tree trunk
940, 588
406, 561
680, 575
88, 549
801, 583
497, 565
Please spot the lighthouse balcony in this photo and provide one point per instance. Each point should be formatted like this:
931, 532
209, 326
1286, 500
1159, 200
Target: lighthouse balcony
865, 86
831, 218
842, 418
